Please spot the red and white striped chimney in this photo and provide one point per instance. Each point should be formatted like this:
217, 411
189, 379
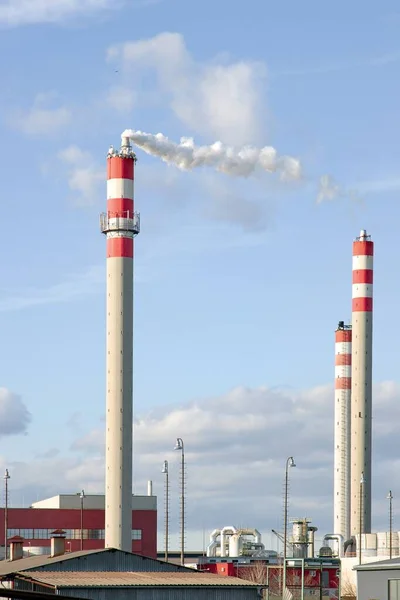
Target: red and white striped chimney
341, 503
361, 383
120, 224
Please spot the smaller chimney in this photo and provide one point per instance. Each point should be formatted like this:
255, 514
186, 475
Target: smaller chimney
57, 543
149, 488
16, 547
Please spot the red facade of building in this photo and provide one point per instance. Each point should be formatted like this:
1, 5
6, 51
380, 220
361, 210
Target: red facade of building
35, 526
321, 578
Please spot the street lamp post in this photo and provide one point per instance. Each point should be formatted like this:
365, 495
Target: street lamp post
362, 481
180, 446
289, 463
6, 478
82, 497
390, 498
166, 518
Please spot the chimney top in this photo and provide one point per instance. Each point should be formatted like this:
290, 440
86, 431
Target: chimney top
59, 533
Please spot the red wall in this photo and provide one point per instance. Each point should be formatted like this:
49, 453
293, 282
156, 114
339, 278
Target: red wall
273, 575
53, 518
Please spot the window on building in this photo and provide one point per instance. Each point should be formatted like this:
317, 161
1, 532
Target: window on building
41, 534
70, 534
88, 534
394, 589
136, 534
27, 534
96, 534
12, 532
76, 534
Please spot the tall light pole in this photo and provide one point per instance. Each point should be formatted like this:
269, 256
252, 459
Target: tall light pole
180, 446
6, 478
390, 498
289, 463
166, 500
362, 481
82, 497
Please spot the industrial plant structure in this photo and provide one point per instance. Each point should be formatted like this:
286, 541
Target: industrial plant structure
120, 224
240, 553
231, 541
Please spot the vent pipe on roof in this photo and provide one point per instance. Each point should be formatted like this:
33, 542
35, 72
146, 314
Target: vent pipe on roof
16, 548
149, 488
57, 543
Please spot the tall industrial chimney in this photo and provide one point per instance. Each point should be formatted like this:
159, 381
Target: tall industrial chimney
361, 383
341, 503
120, 224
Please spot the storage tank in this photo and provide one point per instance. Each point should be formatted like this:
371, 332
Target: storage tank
300, 538
235, 545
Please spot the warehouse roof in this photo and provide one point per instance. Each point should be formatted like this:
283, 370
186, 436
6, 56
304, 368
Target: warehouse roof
98, 579
41, 562
30, 562
380, 565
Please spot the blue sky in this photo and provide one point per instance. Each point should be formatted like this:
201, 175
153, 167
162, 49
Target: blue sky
239, 282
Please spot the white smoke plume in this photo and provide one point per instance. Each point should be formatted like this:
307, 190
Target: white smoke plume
240, 162
329, 189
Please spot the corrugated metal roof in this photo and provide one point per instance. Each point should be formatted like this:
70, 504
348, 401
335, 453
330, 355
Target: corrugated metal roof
30, 562
127, 579
388, 563
105, 559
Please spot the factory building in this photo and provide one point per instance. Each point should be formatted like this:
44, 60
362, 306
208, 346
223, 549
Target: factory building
67, 512
111, 574
238, 552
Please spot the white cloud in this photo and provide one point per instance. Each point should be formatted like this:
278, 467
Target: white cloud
83, 174
236, 447
220, 99
14, 415
216, 99
43, 118
24, 12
